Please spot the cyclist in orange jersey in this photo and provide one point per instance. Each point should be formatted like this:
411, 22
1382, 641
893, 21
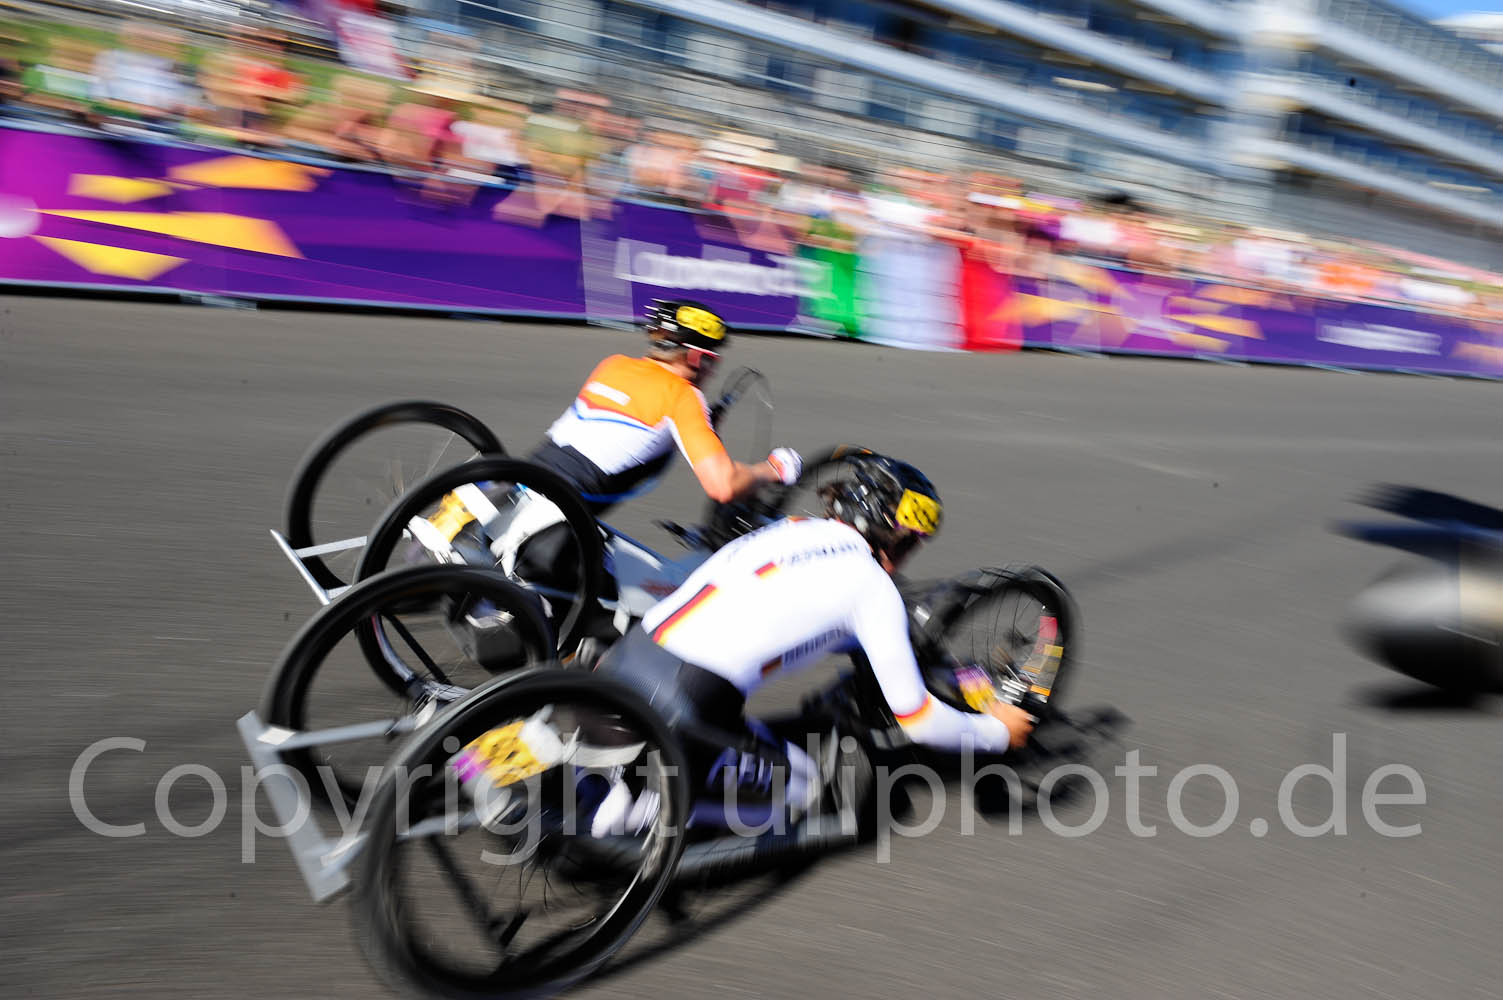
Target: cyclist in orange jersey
632, 414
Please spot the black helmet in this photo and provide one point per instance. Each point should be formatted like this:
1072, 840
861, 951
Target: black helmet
682, 323
891, 503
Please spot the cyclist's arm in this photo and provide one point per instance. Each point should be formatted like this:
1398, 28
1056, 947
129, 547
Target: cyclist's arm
722, 477
880, 625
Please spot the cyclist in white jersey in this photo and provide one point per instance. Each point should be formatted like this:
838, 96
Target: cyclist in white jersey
784, 596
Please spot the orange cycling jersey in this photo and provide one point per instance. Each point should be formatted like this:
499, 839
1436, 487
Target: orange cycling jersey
625, 424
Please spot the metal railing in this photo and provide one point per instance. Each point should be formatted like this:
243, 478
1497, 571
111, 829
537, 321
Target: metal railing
596, 44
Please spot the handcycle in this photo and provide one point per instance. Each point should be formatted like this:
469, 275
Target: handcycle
452, 516
498, 629
473, 503
504, 786
1438, 616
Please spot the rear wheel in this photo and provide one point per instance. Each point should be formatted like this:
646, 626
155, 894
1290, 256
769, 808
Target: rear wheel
356, 469
513, 516
390, 652
481, 874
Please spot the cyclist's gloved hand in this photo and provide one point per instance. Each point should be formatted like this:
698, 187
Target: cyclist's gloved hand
787, 464
1018, 722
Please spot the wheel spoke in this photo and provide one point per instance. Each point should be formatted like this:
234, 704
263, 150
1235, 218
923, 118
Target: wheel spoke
487, 922
417, 648
438, 452
480, 925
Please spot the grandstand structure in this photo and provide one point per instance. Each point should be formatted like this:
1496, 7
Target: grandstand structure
1486, 29
1352, 117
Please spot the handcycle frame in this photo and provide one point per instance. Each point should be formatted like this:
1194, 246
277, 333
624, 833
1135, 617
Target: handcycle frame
323, 861
643, 576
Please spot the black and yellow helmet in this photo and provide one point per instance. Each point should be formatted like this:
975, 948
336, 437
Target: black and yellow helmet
891, 503
682, 323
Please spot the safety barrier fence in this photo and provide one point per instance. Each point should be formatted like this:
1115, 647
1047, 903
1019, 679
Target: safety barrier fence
125, 213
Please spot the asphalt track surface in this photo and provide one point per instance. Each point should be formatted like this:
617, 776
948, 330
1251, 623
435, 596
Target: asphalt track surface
146, 450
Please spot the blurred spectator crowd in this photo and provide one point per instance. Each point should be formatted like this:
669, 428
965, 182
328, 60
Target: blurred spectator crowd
452, 125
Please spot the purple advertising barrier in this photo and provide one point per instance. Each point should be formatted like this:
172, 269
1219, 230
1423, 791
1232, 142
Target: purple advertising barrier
123, 213
1112, 311
118, 213
1361, 336
682, 253
151, 216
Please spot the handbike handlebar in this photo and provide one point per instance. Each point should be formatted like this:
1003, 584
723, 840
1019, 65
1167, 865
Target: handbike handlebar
734, 389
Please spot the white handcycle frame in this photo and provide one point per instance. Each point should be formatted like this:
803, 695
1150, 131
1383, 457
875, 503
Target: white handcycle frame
643, 577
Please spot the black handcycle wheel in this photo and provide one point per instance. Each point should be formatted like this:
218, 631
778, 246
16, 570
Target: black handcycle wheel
563, 564
427, 904
369, 657
303, 497
1020, 626
731, 520
802, 498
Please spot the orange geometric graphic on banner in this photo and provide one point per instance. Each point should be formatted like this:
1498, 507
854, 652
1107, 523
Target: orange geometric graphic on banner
1036, 309
1224, 324
1485, 353
1236, 295
250, 172
1094, 279
121, 190
114, 261
1006, 312
237, 232
1186, 304
1199, 342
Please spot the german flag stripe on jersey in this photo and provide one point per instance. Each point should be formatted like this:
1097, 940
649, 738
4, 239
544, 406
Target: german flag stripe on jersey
917, 715
768, 568
704, 594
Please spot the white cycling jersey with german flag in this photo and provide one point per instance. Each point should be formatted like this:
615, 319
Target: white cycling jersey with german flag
633, 411
782, 597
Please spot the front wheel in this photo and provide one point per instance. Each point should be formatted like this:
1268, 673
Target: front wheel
486, 872
510, 515
1019, 626
403, 643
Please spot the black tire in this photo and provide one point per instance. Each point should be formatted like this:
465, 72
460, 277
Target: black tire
939, 619
728, 521
385, 925
588, 548
820, 466
1415, 618
310, 471
358, 612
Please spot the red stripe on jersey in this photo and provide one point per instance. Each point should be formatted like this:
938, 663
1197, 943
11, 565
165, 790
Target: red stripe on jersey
668, 623
917, 713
